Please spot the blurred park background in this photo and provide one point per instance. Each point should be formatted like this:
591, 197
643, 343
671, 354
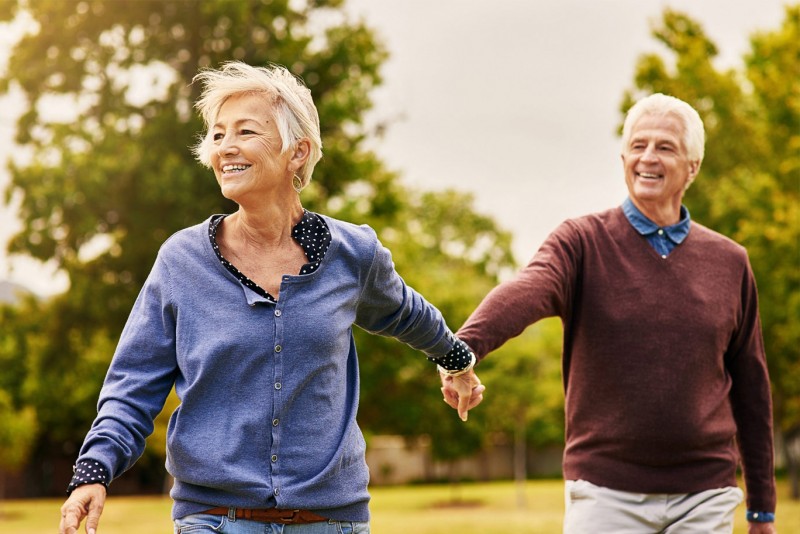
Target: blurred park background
96, 108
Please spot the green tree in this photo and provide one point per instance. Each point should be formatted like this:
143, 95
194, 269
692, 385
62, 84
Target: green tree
527, 394
18, 423
749, 184
449, 241
110, 176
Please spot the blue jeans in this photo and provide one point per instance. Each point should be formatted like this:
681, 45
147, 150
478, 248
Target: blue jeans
205, 523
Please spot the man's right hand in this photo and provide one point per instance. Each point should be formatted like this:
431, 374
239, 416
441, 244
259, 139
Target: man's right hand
86, 501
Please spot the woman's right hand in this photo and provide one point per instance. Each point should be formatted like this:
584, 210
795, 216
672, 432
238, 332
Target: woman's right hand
462, 392
86, 501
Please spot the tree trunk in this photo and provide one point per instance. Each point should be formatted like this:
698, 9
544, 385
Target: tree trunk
520, 470
455, 483
791, 451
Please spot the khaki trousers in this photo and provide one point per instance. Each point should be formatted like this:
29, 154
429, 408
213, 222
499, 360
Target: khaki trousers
592, 509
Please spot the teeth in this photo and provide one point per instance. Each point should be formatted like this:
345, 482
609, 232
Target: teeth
648, 175
234, 168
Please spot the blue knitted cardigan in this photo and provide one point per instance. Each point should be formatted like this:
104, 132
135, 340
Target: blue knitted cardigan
269, 391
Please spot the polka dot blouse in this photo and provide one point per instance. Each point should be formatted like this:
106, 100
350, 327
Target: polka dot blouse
313, 235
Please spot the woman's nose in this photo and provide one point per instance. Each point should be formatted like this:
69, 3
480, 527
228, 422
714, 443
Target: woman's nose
227, 145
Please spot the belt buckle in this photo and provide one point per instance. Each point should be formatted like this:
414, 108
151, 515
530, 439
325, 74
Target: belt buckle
293, 515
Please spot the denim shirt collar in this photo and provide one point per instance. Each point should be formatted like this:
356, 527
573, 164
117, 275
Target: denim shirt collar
676, 232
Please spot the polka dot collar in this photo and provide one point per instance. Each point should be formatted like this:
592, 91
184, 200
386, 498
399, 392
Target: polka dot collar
311, 233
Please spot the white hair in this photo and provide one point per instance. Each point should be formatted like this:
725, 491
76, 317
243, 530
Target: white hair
295, 115
694, 136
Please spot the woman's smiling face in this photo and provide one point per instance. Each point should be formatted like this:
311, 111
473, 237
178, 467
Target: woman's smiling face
247, 158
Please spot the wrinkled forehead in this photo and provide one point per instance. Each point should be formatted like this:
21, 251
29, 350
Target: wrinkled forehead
662, 125
254, 106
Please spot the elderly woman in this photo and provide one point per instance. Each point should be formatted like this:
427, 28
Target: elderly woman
249, 316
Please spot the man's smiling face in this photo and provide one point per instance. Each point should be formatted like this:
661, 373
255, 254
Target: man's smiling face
657, 167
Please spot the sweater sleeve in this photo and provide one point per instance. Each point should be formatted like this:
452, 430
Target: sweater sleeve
138, 381
543, 288
751, 400
389, 307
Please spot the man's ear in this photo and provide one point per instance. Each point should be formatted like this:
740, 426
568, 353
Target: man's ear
694, 168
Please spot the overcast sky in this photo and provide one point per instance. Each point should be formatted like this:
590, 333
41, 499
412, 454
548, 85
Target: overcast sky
515, 101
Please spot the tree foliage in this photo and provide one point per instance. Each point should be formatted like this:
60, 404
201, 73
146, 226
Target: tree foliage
18, 422
108, 177
525, 375
749, 184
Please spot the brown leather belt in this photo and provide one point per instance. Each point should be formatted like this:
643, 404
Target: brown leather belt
269, 515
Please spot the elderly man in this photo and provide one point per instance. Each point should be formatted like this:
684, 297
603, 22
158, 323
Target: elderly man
663, 362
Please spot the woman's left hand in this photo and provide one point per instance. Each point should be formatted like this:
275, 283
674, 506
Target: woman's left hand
462, 392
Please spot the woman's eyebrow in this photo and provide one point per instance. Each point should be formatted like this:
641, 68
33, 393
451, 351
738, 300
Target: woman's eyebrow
238, 122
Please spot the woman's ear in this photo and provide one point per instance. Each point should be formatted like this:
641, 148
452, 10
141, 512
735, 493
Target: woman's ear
301, 151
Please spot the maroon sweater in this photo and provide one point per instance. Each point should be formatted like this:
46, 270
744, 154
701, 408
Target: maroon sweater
663, 360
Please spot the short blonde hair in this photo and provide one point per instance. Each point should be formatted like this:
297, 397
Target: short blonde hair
295, 113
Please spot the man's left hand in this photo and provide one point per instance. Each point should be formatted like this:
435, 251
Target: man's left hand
761, 528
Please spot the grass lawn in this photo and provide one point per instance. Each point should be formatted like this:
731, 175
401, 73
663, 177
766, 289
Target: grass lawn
489, 508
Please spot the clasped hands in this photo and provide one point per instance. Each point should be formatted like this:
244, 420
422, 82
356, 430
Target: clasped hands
462, 392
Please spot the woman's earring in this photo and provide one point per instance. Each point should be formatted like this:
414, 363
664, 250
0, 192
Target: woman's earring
297, 183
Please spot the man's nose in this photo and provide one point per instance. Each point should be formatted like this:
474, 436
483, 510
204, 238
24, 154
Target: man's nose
649, 154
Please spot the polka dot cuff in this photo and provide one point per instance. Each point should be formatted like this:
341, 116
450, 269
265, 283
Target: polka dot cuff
458, 359
88, 472
311, 233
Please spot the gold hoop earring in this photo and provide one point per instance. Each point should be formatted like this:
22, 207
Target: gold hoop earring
297, 183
